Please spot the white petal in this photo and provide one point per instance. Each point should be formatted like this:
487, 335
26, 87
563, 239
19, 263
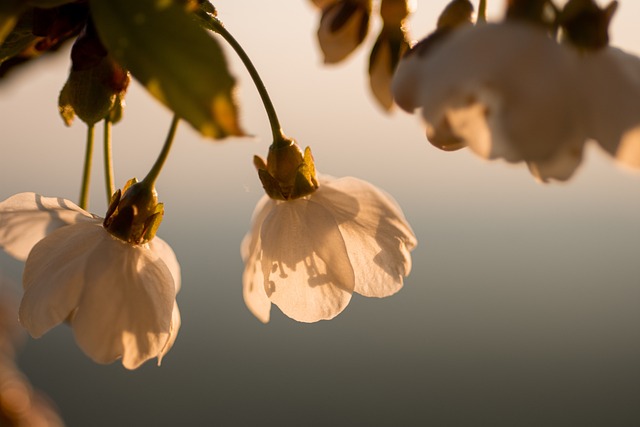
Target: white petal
377, 235
253, 291
54, 275
176, 322
26, 218
507, 90
307, 272
126, 306
611, 80
164, 251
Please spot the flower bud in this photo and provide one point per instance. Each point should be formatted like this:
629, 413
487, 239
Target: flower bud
287, 174
134, 213
456, 13
343, 26
96, 82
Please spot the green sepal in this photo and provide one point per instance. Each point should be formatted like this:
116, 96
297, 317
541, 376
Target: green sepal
306, 181
271, 185
134, 213
181, 65
152, 223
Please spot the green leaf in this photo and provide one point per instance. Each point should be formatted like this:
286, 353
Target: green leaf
177, 61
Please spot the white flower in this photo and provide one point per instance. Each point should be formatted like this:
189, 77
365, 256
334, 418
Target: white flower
118, 297
308, 255
510, 91
505, 90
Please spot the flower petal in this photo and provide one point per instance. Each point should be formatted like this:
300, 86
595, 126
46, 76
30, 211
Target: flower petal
164, 251
127, 305
54, 275
176, 322
253, 291
26, 218
492, 86
376, 233
611, 80
306, 268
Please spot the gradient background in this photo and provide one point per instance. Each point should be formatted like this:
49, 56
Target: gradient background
523, 307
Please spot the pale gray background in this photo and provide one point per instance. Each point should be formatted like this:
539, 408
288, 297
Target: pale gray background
523, 307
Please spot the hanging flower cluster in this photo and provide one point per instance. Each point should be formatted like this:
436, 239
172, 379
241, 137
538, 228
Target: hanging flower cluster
344, 26
511, 90
314, 241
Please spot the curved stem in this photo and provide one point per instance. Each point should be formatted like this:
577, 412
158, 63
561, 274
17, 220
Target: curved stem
153, 174
482, 11
276, 129
86, 174
108, 161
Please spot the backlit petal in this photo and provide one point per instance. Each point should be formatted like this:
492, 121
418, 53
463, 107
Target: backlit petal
126, 307
26, 218
253, 291
176, 322
611, 81
164, 251
305, 263
54, 275
378, 238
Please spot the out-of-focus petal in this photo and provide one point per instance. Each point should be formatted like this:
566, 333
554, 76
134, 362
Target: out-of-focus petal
611, 79
11, 334
343, 27
54, 276
126, 306
164, 251
493, 86
26, 218
305, 263
377, 235
253, 291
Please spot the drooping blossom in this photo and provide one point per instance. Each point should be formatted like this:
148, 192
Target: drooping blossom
511, 91
313, 243
118, 294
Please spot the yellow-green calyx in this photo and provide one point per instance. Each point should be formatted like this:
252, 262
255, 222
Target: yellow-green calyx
288, 174
134, 213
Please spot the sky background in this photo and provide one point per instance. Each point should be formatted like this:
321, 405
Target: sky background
523, 306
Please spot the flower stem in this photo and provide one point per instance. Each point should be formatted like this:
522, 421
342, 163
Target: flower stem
482, 11
86, 174
153, 174
108, 161
276, 129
